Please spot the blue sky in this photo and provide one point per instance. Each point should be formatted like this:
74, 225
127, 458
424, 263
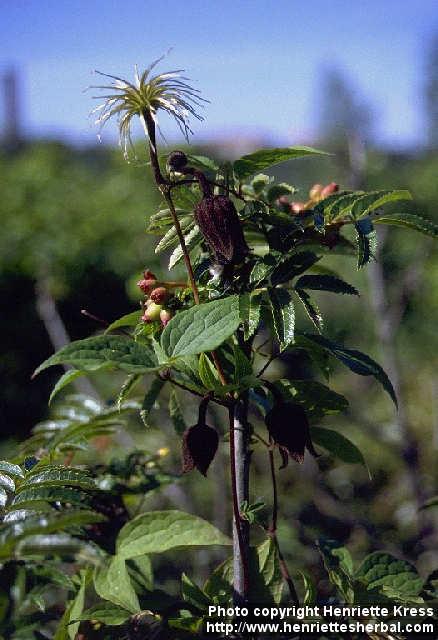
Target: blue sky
258, 62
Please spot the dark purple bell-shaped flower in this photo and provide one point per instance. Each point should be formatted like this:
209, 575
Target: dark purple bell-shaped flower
219, 223
288, 427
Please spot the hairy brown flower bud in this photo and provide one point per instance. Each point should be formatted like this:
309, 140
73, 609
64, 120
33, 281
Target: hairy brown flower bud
289, 428
219, 223
329, 189
159, 295
148, 282
177, 160
199, 447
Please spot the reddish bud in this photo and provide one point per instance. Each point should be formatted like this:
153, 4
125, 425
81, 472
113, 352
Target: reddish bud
165, 317
152, 312
297, 207
219, 223
199, 447
289, 428
315, 192
329, 189
158, 295
146, 285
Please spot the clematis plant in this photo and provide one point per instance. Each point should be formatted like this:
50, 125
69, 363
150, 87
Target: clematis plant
252, 253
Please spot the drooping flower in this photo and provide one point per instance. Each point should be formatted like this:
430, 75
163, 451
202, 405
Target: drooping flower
199, 446
288, 427
219, 223
169, 92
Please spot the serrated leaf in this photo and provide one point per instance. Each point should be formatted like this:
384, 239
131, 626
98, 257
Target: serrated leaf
171, 237
112, 582
311, 308
127, 387
369, 202
325, 283
108, 613
160, 531
176, 414
150, 399
366, 239
128, 320
310, 592
283, 315
11, 469
410, 221
356, 361
64, 380
316, 398
201, 328
383, 571
57, 475
250, 312
207, 373
242, 365
7, 483
338, 445
339, 566
3, 497
191, 239
28, 495
260, 160
104, 351
293, 266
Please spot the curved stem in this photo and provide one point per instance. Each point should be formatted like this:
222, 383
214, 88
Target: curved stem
164, 187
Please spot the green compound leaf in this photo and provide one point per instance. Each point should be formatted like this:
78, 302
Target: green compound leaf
409, 221
260, 160
325, 283
112, 582
159, 531
356, 361
338, 445
283, 315
202, 328
389, 574
104, 351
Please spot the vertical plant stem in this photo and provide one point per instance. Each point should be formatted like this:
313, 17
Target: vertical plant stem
163, 186
239, 463
273, 532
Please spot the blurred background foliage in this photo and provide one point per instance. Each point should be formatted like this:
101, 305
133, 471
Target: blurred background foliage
73, 238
